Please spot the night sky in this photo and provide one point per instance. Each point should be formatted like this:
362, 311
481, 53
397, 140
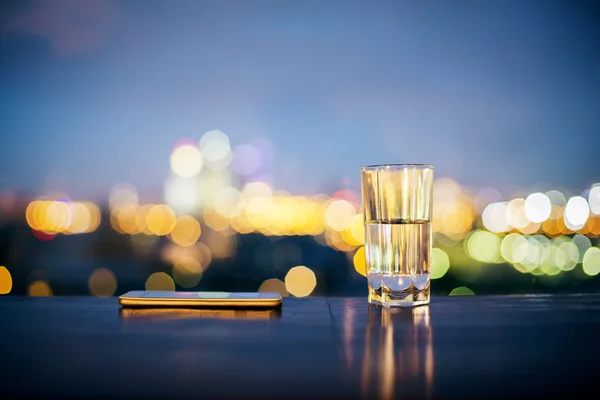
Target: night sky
503, 94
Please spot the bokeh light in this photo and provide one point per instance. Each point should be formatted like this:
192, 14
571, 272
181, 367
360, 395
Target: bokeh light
440, 263
461, 291
583, 244
591, 261
186, 231
160, 281
160, 220
5, 281
229, 202
339, 214
102, 283
187, 272
594, 199
39, 288
182, 194
557, 198
515, 214
483, 246
215, 150
577, 212
186, 161
537, 207
495, 217
359, 261
274, 285
300, 281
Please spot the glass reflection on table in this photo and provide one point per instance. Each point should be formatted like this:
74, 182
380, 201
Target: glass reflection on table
398, 355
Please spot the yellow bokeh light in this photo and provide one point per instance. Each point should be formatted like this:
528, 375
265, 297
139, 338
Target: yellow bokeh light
5, 281
160, 281
274, 285
256, 189
186, 161
440, 263
39, 289
515, 213
187, 272
357, 229
360, 262
102, 283
186, 231
214, 221
241, 225
566, 256
160, 220
229, 202
591, 261
127, 219
81, 220
339, 214
300, 281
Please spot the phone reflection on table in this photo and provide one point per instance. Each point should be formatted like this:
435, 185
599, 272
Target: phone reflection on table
162, 314
398, 359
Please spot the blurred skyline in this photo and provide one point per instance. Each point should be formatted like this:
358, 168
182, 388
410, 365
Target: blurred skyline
501, 94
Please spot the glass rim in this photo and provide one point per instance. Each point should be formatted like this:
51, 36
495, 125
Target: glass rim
395, 166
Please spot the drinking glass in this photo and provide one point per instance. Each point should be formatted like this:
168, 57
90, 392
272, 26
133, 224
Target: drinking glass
397, 202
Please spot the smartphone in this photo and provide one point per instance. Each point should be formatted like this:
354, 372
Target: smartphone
141, 298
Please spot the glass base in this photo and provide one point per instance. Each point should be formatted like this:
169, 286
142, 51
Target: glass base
410, 297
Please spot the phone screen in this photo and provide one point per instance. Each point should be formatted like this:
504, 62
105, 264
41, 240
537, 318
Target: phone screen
207, 295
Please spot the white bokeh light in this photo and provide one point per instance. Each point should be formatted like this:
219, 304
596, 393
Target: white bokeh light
538, 207
494, 218
594, 199
186, 161
577, 212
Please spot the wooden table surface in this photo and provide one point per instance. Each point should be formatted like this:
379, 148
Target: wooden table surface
467, 347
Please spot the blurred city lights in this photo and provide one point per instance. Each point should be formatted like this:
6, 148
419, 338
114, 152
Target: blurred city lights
582, 243
591, 261
182, 194
339, 214
102, 283
359, 261
160, 281
215, 149
495, 217
186, 231
515, 213
440, 263
39, 289
556, 198
52, 217
5, 281
483, 246
300, 281
537, 207
274, 285
594, 199
229, 201
187, 272
577, 212
186, 161
160, 220
461, 291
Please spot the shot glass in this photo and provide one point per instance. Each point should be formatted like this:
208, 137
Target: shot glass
397, 203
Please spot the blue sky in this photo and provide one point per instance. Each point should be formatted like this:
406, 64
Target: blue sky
502, 94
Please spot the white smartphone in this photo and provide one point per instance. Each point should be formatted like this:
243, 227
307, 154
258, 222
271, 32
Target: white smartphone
149, 298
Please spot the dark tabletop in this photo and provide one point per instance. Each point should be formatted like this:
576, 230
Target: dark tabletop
467, 347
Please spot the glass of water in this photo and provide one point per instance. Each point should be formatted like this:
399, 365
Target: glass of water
397, 202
